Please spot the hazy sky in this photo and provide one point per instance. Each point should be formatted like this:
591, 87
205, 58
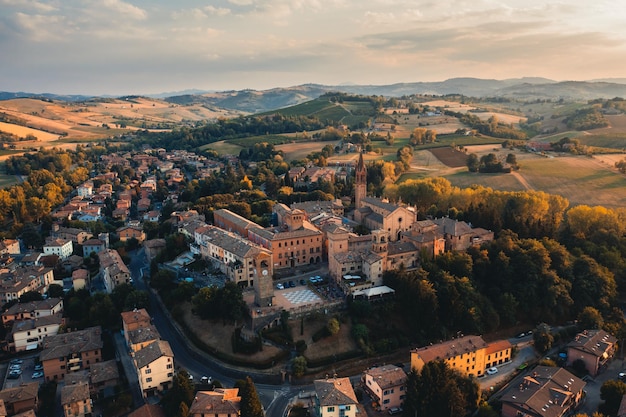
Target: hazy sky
151, 46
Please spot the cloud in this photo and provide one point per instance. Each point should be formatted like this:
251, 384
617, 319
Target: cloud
43, 28
126, 10
30, 5
217, 11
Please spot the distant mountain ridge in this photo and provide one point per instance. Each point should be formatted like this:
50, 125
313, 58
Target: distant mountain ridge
253, 101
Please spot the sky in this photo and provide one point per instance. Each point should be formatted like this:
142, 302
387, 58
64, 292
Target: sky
119, 47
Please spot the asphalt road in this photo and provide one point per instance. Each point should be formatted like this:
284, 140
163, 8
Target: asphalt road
275, 397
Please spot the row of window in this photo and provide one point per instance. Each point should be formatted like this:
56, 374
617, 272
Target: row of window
169, 375
297, 242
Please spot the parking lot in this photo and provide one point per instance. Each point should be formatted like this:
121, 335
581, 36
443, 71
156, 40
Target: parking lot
27, 370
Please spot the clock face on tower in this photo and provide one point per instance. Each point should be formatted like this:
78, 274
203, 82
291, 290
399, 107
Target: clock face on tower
264, 272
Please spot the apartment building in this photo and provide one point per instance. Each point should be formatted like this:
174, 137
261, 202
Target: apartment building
70, 352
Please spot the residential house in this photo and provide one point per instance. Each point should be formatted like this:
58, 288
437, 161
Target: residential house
21, 398
80, 279
595, 348
76, 400
31, 259
142, 337
113, 270
148, 410
28, 334
470, 355
14, 284
386, 385
153, 247
9, 247
78, 236
155, 367
131, 232
93, 246
547, 392
32, 310
152, 216
72, 263
85, 189
133, 320
70, 352
103, 377
60, 247
335, 398
222, 402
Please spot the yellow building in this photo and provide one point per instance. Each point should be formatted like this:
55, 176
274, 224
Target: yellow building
470, 355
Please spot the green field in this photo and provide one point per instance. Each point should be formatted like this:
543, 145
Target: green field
502, 182
349, 112
252, 140
7, 180
222, 148
580, 179
607, 140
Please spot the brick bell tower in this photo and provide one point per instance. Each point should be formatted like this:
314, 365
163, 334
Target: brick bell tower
360, 182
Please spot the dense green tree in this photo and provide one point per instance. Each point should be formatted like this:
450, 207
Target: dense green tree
299, 366
590, 318
543, 339
437, 390
473, 163
182, 392
333, 326
611, 392
55, 291
250, 402
30, 296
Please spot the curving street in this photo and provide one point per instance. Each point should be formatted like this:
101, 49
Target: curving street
274, 395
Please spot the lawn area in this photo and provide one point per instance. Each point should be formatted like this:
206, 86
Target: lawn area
580, 179
502, 182
223, 148
252, 140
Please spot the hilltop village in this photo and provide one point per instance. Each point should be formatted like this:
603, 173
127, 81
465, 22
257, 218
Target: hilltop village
142, 282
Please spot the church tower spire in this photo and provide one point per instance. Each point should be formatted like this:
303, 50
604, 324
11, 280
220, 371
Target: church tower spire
360, 182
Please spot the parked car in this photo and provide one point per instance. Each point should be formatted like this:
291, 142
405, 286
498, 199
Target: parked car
38, 367
302, 282
280, 286
394, 410
15, 367
37, 374
492, 371
16, 362
15, 374
206, 379
292, 284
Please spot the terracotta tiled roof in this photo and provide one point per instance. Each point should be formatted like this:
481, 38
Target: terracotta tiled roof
387, 376
62, 345
221, 401
148, 410
451, 348
335, 391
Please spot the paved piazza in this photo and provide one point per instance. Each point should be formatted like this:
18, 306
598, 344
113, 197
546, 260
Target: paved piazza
302, 296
